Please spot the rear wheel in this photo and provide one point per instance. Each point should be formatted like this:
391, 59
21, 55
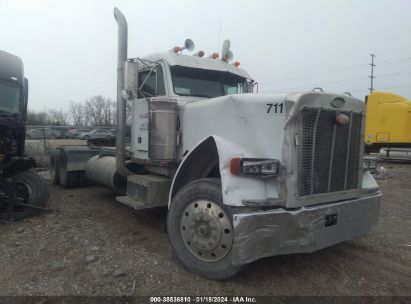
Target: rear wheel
200, 230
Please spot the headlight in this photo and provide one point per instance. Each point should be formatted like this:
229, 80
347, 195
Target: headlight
254, 167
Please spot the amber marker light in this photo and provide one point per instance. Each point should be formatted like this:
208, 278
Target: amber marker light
215, 55
235, 166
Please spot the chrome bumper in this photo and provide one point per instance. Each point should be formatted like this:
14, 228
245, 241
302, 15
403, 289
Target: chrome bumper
279, 231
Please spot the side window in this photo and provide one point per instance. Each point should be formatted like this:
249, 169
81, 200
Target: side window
151, 83
228, 90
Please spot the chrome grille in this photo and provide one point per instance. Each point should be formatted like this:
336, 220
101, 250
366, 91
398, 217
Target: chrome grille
328, 153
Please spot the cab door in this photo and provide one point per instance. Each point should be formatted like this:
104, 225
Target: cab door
150, 84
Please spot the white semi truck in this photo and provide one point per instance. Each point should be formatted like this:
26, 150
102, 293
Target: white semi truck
244, 175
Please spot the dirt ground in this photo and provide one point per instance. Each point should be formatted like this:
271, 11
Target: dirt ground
91, 245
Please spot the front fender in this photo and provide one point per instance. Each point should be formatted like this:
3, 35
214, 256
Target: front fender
237, 190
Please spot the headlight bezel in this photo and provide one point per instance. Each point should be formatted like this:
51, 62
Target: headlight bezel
255, 167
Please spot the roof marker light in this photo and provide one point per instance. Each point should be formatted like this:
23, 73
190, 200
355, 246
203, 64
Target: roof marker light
215, 55
199, 54
237, 64
176, 49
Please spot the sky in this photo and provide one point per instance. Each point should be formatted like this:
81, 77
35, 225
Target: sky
69, 48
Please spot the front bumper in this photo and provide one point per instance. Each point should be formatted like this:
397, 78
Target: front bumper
279, 231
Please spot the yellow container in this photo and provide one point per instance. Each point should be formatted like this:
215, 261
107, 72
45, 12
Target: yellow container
388, 120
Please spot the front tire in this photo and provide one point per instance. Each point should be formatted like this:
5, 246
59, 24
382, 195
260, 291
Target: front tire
200, 229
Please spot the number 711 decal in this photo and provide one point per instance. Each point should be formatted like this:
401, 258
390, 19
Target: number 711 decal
278, 107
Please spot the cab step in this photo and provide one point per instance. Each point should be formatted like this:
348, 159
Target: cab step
137, 205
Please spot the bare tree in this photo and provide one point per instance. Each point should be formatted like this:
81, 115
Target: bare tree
37, 118
95, 109
57, 117
77, 112
101, 111
109, 112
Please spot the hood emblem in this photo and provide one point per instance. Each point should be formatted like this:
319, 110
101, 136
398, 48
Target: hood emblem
342, 119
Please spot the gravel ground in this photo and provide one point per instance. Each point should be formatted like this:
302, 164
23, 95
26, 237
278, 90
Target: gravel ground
91, 245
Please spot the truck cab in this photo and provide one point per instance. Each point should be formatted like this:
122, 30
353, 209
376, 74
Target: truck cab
183, 79
22, 192
13, 106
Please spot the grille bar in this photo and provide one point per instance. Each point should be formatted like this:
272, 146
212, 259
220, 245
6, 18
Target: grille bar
331, 158
317, 117
348, 152
328, 153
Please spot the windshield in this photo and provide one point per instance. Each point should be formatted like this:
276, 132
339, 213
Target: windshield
206, 83
10, 96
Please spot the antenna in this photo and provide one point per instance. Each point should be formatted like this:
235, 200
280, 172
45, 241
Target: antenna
219, 32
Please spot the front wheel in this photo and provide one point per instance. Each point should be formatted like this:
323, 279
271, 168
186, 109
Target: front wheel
200, 230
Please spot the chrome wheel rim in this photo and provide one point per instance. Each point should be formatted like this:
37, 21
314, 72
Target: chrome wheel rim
206, 230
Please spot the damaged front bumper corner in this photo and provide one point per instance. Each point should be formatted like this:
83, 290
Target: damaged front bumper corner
280, 231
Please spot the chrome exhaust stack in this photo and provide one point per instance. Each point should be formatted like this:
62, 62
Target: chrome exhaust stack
121, 102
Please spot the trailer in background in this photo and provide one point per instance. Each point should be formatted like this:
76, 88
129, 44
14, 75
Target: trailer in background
388, 123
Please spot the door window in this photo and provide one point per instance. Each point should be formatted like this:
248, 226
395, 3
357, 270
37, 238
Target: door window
151, 83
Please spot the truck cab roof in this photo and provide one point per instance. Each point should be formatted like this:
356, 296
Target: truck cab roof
11, 67
173, 59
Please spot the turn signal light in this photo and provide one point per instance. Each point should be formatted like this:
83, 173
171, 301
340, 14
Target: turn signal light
235, 166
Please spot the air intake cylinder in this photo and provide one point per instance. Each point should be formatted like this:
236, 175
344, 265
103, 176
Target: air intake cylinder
162, 132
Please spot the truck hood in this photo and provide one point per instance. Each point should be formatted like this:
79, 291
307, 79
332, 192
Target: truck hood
255, 121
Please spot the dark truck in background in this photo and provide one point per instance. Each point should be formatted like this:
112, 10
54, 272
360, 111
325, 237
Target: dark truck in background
22, 192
